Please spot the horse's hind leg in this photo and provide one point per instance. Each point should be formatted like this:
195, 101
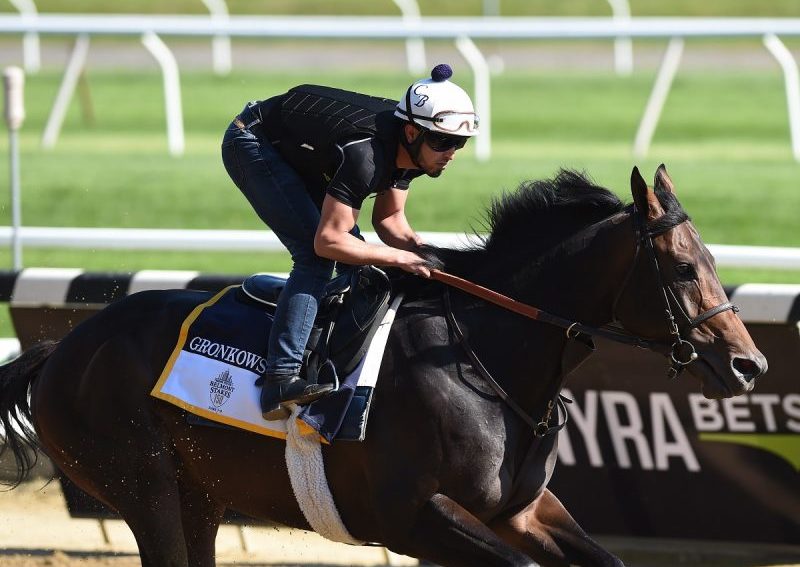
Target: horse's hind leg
549, 534
142, 487
139, 482
100, 430
183, 530
201, 517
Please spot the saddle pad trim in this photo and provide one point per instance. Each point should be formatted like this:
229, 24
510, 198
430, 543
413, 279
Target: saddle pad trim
182, 336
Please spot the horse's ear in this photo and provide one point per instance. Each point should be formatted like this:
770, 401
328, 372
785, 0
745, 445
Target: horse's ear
663, 180
639, 189
643, 197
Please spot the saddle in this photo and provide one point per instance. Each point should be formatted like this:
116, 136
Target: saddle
349, 313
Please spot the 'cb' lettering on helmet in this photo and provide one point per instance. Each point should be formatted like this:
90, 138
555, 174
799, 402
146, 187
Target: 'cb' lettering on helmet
423, 98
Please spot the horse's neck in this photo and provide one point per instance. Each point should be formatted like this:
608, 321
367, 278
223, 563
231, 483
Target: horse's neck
582, 284
525, 356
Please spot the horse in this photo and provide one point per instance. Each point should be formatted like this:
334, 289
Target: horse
451, 471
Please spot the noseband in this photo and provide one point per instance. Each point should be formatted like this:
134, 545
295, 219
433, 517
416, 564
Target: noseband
682, 352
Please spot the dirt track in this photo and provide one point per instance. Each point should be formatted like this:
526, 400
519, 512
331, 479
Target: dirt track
35, 530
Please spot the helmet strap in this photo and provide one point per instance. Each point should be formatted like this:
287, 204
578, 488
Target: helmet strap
413, 148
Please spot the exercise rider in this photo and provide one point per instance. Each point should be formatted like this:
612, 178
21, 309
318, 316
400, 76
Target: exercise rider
306, 160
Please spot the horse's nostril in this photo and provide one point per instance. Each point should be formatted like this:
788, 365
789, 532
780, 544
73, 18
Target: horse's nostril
748, 368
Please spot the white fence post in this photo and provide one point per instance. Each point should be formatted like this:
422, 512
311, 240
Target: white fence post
790, 75
172, 91
14, 114
76, 63
415, 46
647, 127
483, 107
623, 46
220, 44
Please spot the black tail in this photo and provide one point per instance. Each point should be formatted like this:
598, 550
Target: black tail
16, 432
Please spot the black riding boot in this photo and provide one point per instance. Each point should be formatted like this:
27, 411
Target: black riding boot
279, 390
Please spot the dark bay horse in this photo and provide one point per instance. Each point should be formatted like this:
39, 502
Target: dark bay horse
448, 472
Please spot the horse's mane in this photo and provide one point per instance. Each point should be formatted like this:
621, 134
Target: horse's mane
528, 222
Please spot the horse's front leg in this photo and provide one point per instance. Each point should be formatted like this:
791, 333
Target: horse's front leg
549, 534
448, 535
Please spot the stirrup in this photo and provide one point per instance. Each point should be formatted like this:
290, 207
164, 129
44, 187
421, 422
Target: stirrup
278, 413
277, 394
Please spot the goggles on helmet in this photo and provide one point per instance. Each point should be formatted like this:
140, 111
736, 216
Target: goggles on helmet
443, 142
449, 121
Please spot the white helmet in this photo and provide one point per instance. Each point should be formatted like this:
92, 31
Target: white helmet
439, 105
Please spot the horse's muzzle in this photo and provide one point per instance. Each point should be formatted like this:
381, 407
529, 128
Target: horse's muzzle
748, 369
725, 375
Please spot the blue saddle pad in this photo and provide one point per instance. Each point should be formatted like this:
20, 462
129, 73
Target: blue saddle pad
234, 330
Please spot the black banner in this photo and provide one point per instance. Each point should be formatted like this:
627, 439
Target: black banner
644, 456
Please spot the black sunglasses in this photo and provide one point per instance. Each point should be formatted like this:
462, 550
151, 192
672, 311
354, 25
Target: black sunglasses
442, 142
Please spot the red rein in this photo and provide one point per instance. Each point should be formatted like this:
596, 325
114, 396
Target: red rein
486, 294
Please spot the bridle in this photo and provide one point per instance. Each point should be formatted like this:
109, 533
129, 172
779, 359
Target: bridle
681, 352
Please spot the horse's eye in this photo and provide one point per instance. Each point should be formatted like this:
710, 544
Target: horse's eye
685, 271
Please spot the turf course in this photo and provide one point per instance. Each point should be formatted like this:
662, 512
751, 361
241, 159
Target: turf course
723, 136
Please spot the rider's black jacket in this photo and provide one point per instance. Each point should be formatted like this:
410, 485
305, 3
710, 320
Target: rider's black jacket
340, 142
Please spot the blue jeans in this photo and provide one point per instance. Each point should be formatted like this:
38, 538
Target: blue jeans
279, 197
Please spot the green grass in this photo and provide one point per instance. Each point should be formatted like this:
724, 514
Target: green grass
723, 135
724, 139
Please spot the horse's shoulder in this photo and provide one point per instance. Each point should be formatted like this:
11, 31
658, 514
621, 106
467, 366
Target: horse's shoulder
418, 326
427, 358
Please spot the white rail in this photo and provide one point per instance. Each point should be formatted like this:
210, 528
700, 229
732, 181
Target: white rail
9, 349
778, 258
404, 28
392, 27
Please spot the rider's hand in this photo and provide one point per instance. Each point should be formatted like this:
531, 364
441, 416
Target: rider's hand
413, 263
